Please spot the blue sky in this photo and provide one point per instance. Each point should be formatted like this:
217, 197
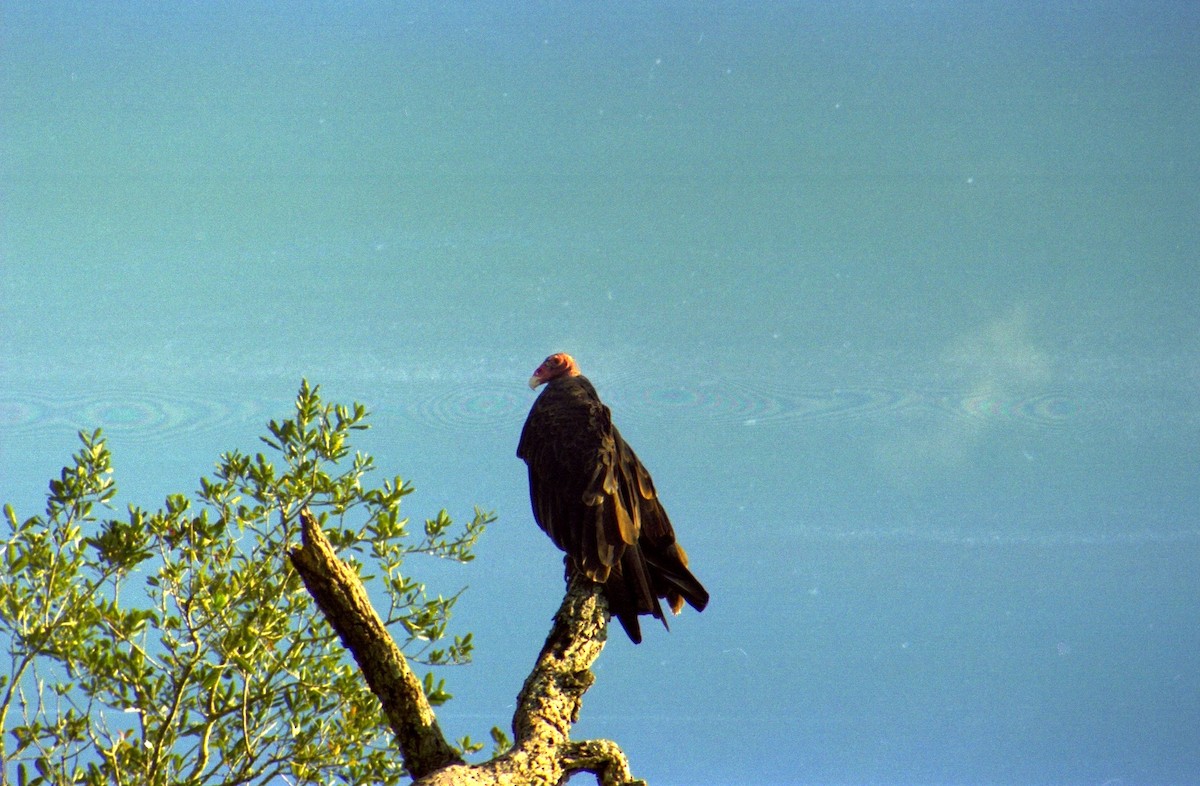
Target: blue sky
896, 302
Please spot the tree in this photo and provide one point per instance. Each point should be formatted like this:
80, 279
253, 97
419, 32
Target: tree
183, 645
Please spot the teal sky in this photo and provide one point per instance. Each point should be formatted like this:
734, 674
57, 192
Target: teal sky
896, 301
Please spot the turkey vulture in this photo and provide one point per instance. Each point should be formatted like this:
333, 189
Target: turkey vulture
596, 501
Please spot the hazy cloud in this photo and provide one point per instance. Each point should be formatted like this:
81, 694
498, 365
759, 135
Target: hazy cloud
988, 372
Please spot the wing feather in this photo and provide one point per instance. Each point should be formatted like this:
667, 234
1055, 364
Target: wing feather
591, 494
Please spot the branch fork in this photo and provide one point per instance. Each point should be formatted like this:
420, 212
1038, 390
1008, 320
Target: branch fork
543, 754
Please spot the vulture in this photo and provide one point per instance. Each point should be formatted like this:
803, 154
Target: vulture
596, 501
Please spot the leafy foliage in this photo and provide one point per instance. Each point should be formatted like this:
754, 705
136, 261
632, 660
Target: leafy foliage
179, 645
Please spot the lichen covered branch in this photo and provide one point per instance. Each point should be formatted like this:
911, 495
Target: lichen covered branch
342, 598
543, 753
548, 705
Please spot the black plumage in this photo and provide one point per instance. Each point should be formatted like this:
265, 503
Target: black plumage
596, 501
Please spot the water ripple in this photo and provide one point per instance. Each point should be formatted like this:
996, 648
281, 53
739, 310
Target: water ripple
462, 408
760, 405
156, 415
136, 415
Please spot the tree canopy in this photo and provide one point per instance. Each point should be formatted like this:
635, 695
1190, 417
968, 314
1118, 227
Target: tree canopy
178, 645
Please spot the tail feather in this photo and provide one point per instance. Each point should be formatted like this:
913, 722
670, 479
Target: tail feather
673, 580
641, 578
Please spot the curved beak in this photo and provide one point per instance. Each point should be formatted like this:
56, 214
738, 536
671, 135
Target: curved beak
534, 381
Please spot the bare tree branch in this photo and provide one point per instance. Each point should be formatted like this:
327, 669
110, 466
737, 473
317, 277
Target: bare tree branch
548, 705
543, 753
603, 758
343, 600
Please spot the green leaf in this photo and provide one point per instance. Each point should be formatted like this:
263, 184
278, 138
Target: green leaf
501, 741
192, 617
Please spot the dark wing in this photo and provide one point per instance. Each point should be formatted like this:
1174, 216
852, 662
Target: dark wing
569, 444
596, 501
666, 559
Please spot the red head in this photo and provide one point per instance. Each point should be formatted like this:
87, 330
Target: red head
553, 367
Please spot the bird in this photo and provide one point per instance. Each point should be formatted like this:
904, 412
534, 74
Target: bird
591, 494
